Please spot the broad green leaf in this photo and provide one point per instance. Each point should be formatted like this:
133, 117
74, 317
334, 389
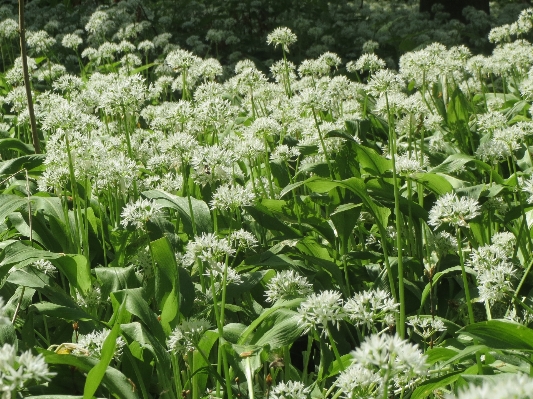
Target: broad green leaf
467, 353
30, 277
436, 279
10, 203
290, 187
209, 338
77, 270
269, 220
283, 333
345, 218
51, 206
62, 312
33, 163
438, 354
459, 108
18, 255
116, 382
438, 184
116, 278
501, 334
135, 332
201, 213
39, 230
142, 68
96, 374
266, 313
427, 388
233, 331
166, 283
137, 305
8, 335
373, 163
12, 143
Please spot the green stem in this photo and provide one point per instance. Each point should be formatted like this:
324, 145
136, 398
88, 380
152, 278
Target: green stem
399, 244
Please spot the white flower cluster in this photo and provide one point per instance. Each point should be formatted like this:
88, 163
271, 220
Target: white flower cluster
495, 271
453, 210
186, 336
506, 386
139, 212
382, 363
367, 308
17, 371
287, 284
91, 344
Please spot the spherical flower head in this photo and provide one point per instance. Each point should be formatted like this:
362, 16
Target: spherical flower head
453, 210
290, 390
513, 386
384, 81
207, 248
181, 60
71, 41
16, 371
34, 367
283, 36
505, 240
287, 284
426, 326
93, 343
284, 153
367, 62
319, 309
264, 127
139, 212
45, 266
217, 270
186, 336
89, 300
391, 356
409, 166
243, 239
368, 307
232, 197
357, 382
443, 243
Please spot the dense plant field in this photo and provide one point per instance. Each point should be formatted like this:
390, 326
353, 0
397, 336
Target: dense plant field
201, 226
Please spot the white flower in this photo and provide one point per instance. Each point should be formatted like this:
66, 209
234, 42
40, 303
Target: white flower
392, 358
207, 248
231, 197
287, 284
367, 62
453, 210
426, 326
45, 266
243, 239
71, 41
511, 386
139, 212
384, 81
319, 309
15, 371
283, 36
186, 336
358, 382
368, 307
290, 390
93, 343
